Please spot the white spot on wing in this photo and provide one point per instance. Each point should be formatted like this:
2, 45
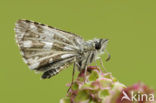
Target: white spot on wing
35, 65
57, 70
47, 34
19, 35
33, 60
27, 43
78, 41
66, 55
48, 45
50, 60
32, 26
67, 48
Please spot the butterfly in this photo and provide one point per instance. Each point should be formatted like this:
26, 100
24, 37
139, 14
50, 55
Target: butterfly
49, 50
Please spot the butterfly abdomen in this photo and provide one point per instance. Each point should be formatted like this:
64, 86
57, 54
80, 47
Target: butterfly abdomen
49, 73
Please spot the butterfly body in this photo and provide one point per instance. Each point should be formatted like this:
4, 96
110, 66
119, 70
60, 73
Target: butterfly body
50, 50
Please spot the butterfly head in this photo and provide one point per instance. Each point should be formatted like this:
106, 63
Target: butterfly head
100, 44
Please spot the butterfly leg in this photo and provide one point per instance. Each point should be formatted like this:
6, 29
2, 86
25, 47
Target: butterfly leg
108, 58
101, 62
85, 67
85, 73
72, 77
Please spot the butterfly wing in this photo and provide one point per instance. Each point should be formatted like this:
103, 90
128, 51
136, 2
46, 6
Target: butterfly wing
43, 47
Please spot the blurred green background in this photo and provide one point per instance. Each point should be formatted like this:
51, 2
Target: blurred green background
130, 26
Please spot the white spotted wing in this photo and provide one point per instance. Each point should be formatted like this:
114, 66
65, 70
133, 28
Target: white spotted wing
44, 48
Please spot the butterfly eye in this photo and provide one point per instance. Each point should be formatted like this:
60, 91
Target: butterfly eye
98, 46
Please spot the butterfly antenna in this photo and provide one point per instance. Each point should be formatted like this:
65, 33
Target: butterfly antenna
109, 56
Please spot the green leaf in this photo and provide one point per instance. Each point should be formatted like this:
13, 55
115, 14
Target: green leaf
109, 76
81, 96
93, 76
105, 83
75, 86
103, 93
